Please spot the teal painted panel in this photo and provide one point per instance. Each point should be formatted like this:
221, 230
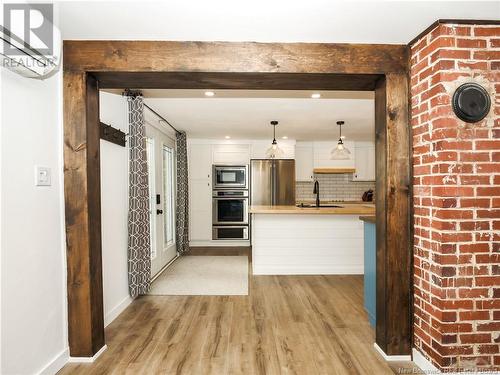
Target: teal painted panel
370, 278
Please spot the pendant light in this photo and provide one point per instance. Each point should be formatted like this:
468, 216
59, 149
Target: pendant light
274, 151
340, 152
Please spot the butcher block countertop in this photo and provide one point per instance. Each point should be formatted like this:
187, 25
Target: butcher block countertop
344, 209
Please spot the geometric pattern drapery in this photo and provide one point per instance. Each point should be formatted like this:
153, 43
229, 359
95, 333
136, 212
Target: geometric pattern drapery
182, 202
139, 251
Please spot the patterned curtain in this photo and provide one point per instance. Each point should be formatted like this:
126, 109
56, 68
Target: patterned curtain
139, 258
182, 204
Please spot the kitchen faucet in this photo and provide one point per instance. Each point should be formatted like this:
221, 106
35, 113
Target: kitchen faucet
316, 191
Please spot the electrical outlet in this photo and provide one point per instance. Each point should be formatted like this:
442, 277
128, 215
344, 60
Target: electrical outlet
42, 176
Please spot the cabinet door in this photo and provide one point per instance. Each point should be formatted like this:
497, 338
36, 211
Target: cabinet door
365, 162
259, 149
322, 152
360, 164
231, 154
200, 161
200, 210
304, 163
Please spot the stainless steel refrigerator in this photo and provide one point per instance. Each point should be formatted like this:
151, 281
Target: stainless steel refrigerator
272, 182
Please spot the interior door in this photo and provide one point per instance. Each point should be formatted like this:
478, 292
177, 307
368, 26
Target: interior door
161, 172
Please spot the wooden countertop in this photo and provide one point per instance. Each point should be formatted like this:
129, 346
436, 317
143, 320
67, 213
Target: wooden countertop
368, 219
312, 201
345, 209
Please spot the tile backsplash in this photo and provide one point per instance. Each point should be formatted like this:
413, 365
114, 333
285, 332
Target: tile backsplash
333, 187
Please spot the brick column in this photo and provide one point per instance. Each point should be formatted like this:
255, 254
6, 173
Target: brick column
456, 169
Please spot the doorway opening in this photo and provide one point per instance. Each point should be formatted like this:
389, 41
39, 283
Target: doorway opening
214, 66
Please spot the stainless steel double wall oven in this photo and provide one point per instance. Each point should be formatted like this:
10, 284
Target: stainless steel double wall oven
230, 198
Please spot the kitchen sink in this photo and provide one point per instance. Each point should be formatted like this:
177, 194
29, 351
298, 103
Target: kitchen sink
305, 205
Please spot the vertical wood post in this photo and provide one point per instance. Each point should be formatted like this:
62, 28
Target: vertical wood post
83, 214
393, 203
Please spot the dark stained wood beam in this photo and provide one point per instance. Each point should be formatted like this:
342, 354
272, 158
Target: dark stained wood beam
82, 196
195, 65
233, 57
236, 81
393, 205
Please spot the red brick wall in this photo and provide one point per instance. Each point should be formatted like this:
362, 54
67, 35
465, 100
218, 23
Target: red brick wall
456, 169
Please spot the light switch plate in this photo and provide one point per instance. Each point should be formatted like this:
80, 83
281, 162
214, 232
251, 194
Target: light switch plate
42, 176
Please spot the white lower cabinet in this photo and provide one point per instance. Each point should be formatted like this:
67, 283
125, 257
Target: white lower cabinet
200, 210
200, 192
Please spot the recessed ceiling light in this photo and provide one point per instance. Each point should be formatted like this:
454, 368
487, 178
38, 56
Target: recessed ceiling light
209, 93
227, 137
316, 95
284, 137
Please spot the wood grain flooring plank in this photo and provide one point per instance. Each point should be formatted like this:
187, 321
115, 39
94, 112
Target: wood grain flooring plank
286, 325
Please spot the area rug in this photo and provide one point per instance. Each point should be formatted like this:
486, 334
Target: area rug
204, 275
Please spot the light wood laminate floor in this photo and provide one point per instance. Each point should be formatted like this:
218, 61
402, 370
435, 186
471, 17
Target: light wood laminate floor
286, 325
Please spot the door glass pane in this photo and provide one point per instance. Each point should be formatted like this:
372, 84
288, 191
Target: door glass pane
169, 194
150, 151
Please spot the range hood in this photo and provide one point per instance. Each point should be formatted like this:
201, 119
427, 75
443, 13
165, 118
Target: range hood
336, 170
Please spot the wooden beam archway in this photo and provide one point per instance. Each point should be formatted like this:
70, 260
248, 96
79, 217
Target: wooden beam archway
91, 65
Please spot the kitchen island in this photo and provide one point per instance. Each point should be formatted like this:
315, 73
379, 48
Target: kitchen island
290, 240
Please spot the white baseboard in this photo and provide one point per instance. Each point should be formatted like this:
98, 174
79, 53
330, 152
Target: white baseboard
423, 363
428, 368
391, 358
87, 359
220, 243
56, 363
267, 269
117, 310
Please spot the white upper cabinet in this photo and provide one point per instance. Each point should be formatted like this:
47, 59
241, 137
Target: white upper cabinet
260, 147
322, 152
231, 154
365, 162
304, 161
200, 161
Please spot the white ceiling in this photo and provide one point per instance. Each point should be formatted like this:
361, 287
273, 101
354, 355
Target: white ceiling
245, 114
330, 21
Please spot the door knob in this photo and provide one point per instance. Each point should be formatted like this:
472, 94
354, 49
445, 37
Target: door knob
159, 212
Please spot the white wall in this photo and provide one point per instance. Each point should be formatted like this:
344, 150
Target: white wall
33, 268
114, 209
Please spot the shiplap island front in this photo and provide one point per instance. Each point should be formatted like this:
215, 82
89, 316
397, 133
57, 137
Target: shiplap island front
289, 240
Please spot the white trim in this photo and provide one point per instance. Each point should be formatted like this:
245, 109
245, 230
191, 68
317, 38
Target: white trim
117, 310
165, 267
220, 243
391, 358
424, 364
55, 364
87, 359
428, 368
306, 270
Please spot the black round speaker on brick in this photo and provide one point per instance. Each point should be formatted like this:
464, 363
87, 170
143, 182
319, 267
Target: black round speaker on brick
471, 102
